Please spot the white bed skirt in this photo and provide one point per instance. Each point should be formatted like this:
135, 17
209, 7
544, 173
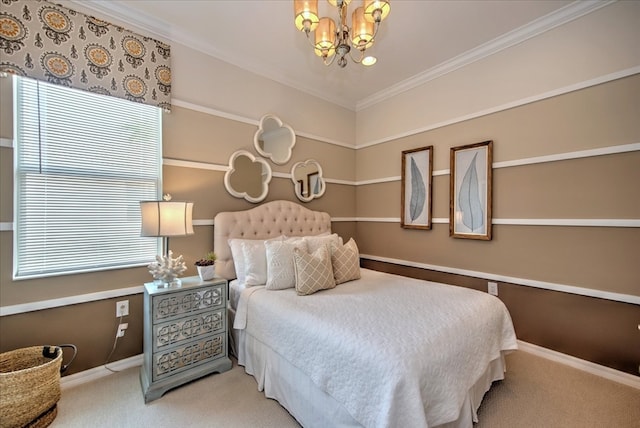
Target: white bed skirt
312, 407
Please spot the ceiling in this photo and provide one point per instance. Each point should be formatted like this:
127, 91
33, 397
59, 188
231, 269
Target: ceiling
418, 39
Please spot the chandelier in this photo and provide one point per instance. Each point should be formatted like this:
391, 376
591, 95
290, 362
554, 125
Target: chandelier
331, 41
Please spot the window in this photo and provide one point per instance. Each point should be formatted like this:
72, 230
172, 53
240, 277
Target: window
83, 162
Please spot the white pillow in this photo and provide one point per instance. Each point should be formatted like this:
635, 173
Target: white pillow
315, 242
345, 260
280, 270
313, 271
255, 263
238, 256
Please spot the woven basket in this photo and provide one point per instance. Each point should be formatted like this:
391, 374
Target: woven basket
30, 385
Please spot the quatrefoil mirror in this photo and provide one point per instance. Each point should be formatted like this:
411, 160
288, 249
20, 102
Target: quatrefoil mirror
248, 176
308, 180
274, 139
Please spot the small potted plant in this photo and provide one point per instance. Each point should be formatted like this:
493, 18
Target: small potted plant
207, 266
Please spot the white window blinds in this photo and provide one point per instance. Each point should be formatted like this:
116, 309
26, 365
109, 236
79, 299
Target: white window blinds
83, 163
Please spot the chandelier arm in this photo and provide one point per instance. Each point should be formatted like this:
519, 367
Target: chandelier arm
333, 58
357, 61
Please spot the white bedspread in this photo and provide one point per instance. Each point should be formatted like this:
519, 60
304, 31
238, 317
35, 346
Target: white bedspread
396, 352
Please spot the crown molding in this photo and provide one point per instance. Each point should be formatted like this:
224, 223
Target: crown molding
162, 30
543, 24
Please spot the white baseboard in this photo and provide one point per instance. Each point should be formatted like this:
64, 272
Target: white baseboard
587, 366
99, 372
577, 363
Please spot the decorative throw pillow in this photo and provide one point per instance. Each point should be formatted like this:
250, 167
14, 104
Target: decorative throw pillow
313, 271
346, 262
238, 256
280, 270
315, 242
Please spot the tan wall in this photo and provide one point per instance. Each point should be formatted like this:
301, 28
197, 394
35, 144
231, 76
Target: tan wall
602, 259
600, 187
188, 135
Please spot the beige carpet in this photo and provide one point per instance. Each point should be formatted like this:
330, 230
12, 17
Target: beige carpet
536, 393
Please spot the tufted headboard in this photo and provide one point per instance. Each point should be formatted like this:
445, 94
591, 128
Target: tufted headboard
262, 222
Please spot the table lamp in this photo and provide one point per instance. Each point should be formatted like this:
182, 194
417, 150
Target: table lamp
165, 219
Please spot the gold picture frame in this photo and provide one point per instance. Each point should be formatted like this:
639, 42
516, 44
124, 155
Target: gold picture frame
417, 173
470, 191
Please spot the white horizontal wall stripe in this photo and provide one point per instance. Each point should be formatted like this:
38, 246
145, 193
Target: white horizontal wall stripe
195, 165
570, 155
378, 180
6, 142
590, 222
214, 112
379, 219
560, 91
337, 181
618, 297
71, 300
203, 222
580, 222
341, 219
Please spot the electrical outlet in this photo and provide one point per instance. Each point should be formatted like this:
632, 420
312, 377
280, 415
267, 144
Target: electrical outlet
121, 329
492, 288
122, 308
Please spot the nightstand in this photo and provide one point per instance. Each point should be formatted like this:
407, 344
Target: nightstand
185, 334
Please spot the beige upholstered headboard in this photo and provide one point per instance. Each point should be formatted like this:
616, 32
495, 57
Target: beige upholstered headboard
262, 222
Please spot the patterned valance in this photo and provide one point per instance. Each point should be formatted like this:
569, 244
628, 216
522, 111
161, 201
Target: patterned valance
49, 42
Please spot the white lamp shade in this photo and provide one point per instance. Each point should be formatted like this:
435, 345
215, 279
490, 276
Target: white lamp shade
164, 218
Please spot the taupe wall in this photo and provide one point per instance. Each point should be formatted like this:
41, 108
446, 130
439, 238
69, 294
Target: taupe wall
603, 259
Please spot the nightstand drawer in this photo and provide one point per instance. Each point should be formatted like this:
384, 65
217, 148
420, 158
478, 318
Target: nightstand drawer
176, 305
189, 328
190, 355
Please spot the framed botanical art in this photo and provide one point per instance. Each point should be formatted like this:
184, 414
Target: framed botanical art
417, 170
470, 191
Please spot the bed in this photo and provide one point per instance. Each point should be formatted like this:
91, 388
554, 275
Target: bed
377, 351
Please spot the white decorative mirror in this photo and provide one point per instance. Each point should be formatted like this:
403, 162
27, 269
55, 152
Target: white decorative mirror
248, 177
274, 139
307, 180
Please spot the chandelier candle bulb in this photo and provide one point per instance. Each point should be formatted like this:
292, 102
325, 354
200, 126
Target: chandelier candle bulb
306, 14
